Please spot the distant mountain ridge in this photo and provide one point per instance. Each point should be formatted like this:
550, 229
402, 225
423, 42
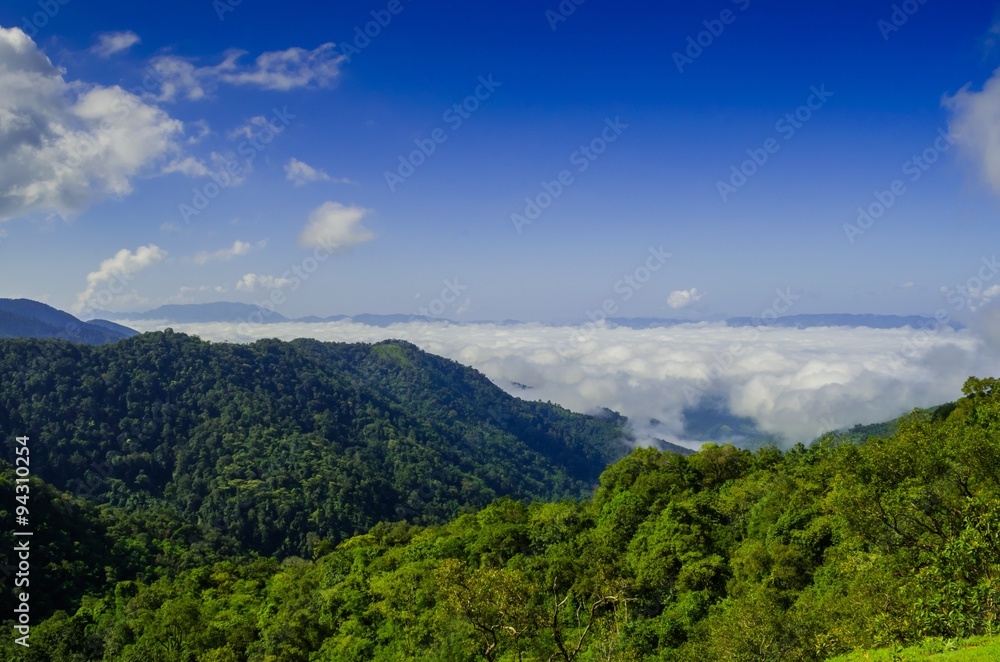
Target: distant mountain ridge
843, 319
239, 312
24, 318
194, 313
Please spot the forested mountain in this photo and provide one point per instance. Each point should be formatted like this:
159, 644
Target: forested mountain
24, 318
279, 444
725, 554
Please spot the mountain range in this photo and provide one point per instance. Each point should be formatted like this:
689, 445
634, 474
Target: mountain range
240, 312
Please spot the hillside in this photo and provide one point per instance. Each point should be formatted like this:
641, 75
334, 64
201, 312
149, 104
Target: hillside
24, 318
281, 444
721, 555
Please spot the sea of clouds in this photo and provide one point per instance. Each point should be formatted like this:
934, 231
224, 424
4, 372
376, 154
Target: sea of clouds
797, 383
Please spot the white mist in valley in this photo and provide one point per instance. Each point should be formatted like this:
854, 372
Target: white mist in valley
794, 383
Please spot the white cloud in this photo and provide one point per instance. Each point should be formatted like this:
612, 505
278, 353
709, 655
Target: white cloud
789, 381
302, 173
253, 282
110, 43
334, 226
974, 298
253, 127
275, 70
975, 126
203, 132
64, 144
238, 248
115, 273
684, 298
189, 166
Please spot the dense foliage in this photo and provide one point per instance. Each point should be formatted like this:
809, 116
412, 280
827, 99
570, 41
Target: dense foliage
726, 554
280, 445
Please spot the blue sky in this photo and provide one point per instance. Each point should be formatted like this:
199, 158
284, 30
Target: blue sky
111, 230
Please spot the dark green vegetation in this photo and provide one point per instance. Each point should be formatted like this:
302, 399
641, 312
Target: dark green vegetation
725, 554
279, 445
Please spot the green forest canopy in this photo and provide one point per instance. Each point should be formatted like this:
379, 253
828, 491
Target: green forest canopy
726, 554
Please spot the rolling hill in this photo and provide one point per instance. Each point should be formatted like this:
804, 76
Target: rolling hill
281, 443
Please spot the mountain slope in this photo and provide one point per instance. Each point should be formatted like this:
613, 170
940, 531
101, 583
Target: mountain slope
721, 555
24, 318
279, 444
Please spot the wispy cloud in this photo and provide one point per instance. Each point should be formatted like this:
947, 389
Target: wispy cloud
301, 173
223, 254
254, 282
274, 70
110, 43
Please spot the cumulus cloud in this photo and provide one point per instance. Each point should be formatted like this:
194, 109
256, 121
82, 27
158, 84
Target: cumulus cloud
684, 298
796, 383
114, 273
333, 226
110, 43
301, 173
274, 70
238, 248
975, 126
253, 282
62, 143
